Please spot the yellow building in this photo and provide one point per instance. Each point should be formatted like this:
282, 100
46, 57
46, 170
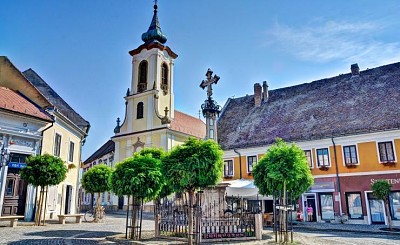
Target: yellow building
348, 126
63, 137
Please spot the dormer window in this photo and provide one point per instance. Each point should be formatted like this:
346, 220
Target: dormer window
164, 78
142, 84
139, 110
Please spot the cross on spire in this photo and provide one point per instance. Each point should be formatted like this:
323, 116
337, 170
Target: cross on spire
209, 81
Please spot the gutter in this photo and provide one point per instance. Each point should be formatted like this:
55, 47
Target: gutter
240, 162
337, 177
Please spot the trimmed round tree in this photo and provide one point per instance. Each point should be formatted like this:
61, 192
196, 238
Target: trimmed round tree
381, 190
43, 171
140, 177
283, 169
97, 180
159, 154
193, 165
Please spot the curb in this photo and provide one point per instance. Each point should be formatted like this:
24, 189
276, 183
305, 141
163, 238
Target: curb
345, 230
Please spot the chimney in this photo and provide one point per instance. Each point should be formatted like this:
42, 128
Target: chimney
257, 94
265, 91
355, 70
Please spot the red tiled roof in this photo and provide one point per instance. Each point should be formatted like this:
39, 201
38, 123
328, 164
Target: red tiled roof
188, 125
13, 101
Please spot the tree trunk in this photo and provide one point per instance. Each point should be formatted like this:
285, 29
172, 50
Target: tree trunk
190, 231
40, 205
37, 206
285, 233
45, 206
389, 217
97, 209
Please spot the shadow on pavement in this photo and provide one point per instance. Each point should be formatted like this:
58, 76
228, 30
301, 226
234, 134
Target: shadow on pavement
54, 241
73, 233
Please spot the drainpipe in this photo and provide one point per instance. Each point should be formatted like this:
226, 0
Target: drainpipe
240, 163
337, 177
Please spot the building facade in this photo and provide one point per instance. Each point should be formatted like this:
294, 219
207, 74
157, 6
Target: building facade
21, 127
104, 155
63, 137
348, 127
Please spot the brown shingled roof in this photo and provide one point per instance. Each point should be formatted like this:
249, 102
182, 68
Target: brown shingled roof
16, 102
335, 106
188, 125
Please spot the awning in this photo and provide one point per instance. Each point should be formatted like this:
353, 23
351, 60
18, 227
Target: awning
243, 188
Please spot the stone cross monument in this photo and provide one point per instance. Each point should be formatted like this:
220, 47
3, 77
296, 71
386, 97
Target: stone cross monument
210, 108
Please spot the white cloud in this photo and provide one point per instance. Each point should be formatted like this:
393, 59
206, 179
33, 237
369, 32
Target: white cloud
330, 41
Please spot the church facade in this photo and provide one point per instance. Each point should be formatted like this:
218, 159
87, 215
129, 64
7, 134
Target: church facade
151, 119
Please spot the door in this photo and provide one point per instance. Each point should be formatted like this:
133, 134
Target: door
376, 209
121, 202
68, 197
15, 194
310, 200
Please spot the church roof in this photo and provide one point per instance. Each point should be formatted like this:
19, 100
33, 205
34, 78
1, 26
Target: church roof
16, 102
108, 147
337, 106
56, 100
187, 124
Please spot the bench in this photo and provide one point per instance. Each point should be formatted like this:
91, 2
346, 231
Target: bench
62, 217
13, 219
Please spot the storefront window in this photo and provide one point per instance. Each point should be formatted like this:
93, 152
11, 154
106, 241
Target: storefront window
354, 207
326, 203
395, 205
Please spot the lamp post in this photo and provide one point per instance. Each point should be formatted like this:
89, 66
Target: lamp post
4, 155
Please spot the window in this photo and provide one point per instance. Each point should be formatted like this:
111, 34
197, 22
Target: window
18, 158
228, 168
10, 187
251, 161
142, 85
211, 133
71, 151
164, 78
354, 208
323, 157
139, 110
386, 153
105, 161
326, 204
350, 154
394, 203
309, 158
57, 145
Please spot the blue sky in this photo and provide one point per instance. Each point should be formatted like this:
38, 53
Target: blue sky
81, 47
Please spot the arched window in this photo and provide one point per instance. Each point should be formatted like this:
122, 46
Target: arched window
139, 110
164, 78
142, 83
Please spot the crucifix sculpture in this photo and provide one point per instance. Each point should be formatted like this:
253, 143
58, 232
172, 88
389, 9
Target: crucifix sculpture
209, 81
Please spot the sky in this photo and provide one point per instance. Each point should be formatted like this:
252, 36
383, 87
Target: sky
80, 48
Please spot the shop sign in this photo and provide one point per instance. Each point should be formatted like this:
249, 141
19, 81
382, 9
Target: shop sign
391, 181
323, 186
16, 165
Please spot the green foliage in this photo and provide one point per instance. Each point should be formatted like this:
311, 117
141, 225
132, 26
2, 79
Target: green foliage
97, 179
283, 162
195, 164
381, 189
44, 170
138, 176
159, 154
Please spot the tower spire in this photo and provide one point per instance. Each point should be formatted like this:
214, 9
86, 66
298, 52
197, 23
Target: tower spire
154, 33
